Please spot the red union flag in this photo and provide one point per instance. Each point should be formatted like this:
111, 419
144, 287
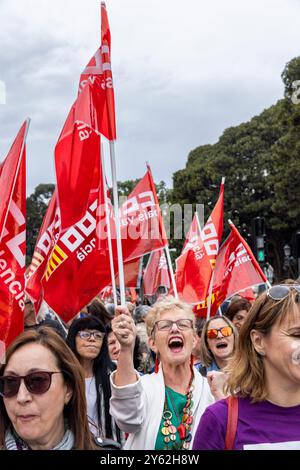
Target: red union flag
142, 228
195, 265
236, 269
156, 273
48, 235
72, 270
96, 93
194, 233
77, 152
12, 252
8, 173
77, 156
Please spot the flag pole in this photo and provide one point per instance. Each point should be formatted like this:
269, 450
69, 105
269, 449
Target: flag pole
107, 216
27, 120
210, 294
117, 219
198, 221
171, 271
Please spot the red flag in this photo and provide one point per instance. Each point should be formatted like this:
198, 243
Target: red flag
142, 228
9, 173
49, 233
96, 92
77, 157
194, 233
131, 273
156, 273
236, 269
194, 267
77, 152
13, 243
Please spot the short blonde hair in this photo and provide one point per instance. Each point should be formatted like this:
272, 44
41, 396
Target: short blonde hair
206, 356
246, 370
164, 305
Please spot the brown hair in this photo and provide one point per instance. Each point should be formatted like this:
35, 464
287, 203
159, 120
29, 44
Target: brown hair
206, 356
236, 306
75, 411
246, 369
166, 304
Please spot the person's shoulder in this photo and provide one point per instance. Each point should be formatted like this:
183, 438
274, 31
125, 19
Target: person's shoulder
219, 408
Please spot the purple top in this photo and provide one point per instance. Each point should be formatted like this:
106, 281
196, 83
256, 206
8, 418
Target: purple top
260, 426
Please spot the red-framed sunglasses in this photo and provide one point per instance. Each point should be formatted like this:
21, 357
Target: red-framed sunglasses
212, 333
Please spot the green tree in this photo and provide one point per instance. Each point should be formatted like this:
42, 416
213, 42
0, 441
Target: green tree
261, 162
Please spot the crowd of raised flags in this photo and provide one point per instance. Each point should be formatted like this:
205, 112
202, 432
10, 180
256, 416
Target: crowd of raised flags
83, 246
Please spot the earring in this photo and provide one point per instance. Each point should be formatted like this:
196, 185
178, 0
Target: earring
156, 366
262, 353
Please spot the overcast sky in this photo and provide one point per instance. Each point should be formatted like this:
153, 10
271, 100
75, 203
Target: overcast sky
183, 72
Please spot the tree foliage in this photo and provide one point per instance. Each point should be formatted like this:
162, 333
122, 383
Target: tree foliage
261, 162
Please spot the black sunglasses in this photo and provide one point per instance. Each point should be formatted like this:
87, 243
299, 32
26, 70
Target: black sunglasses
281, 291
37, 383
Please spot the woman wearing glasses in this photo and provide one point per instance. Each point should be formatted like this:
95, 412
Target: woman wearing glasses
159, 410
42, 402
218, 342
88, 340
264, 380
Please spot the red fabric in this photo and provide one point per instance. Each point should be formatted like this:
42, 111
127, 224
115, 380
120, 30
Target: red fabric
142, 229
96, 85
73, 270
8, 172
236, 269
192, 238
49, 232
13, 246
156, 273
195, 265
77, 152
131, 273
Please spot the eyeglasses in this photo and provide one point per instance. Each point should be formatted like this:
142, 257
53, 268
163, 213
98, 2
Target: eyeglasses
213, 332
37, 383
97, 335
281, 291
166, 325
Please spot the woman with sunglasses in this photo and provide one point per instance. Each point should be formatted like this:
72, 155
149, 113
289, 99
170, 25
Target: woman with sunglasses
264, 380
159, 410
42, 402
87, 338
218, 342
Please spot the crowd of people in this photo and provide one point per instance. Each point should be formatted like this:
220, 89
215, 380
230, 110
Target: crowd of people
156, 377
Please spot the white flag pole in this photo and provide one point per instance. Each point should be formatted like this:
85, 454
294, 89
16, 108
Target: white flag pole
171, 271
107, 215
198, 221
210, 294
117, 219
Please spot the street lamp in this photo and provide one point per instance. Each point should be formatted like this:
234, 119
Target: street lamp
287, 250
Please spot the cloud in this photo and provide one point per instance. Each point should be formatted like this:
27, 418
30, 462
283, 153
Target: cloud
183, 72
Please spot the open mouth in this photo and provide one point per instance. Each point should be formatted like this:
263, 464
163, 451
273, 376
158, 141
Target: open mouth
175, 344
221, 345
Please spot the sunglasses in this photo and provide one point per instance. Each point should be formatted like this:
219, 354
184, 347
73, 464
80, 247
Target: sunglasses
213, 332
36, 382
281, 291
97, 335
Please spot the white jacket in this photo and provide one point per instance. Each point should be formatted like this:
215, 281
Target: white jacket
138, 408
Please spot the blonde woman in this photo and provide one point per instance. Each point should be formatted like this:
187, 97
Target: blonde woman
159, 410
264, 379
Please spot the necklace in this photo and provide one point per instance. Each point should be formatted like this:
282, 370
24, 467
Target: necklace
169, 431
